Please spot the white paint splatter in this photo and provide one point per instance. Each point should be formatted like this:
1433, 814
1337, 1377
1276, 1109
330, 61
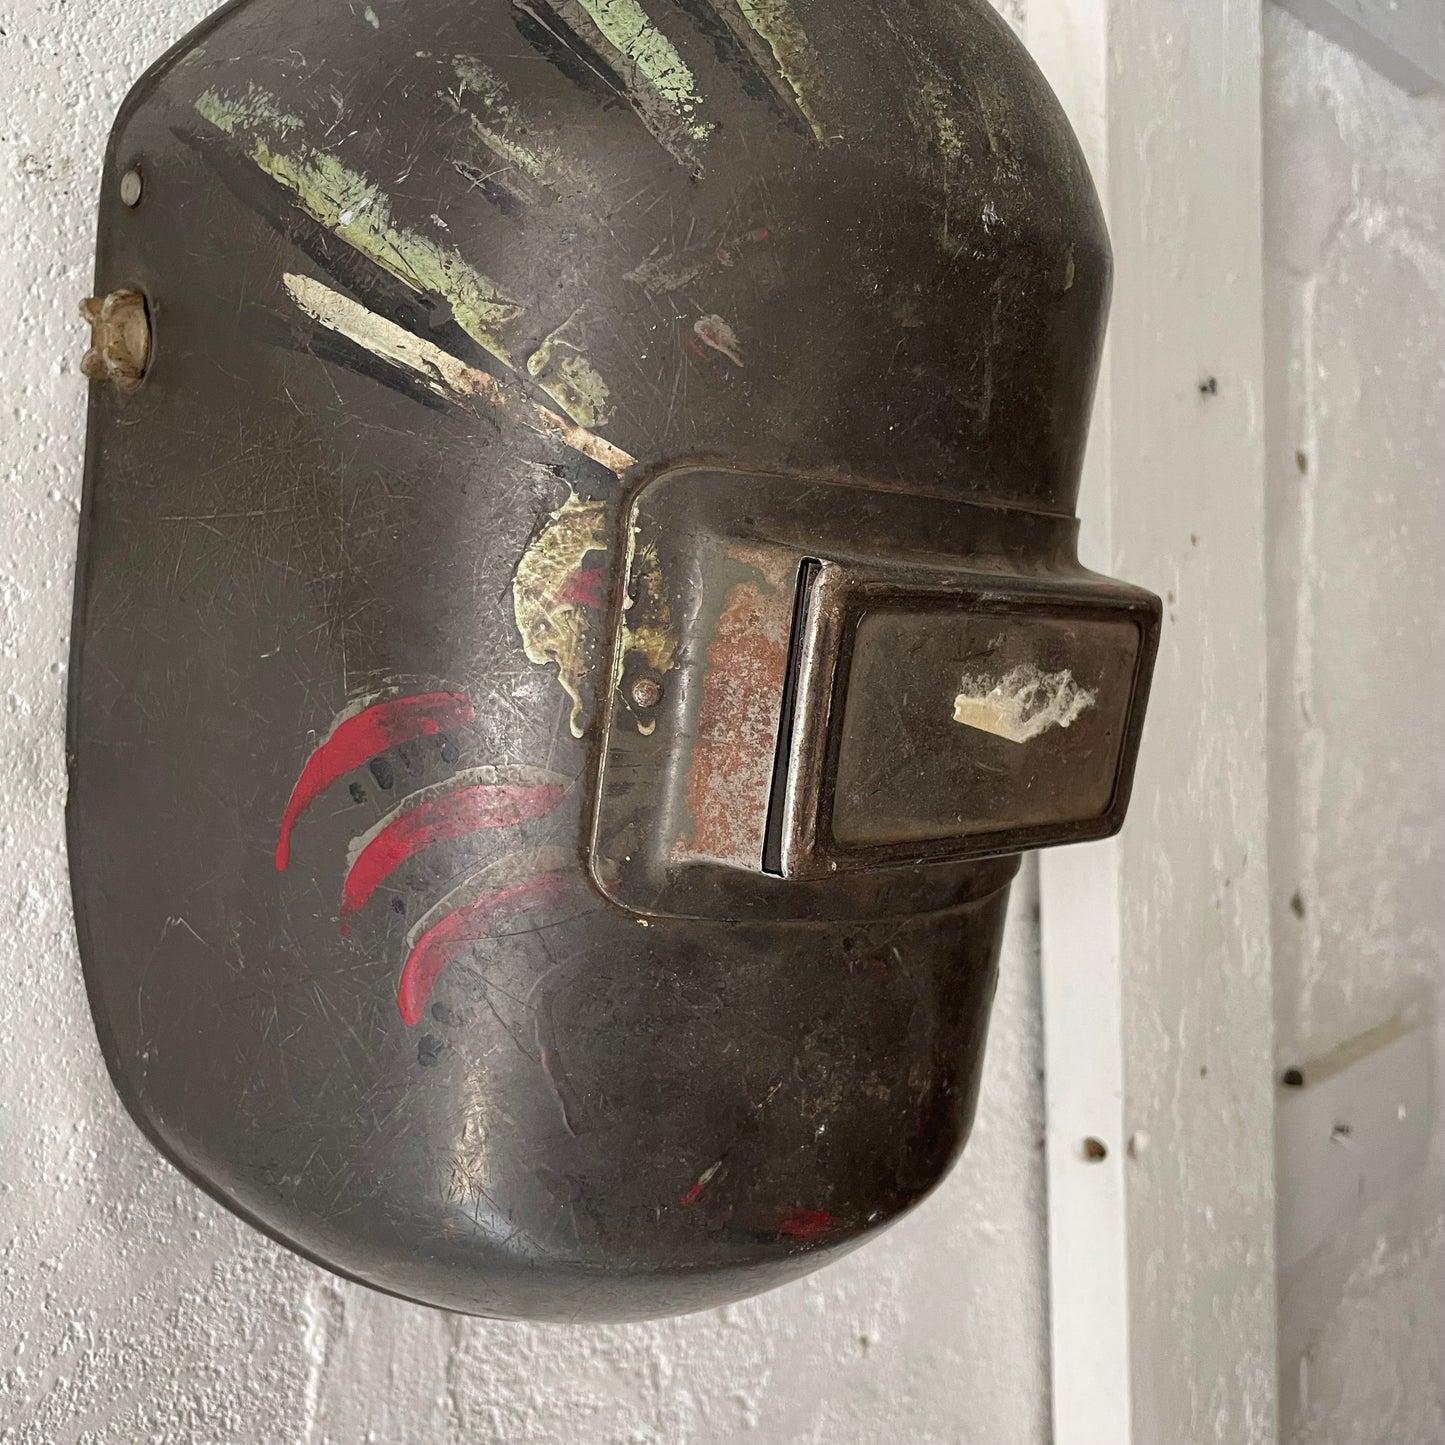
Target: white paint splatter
713, 331
1022, 704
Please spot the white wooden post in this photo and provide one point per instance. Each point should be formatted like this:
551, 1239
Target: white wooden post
1156, 970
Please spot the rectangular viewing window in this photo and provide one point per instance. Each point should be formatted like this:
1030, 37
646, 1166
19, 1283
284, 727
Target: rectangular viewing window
959, 720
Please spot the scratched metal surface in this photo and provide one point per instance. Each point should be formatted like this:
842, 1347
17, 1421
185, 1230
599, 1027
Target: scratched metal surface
423, 311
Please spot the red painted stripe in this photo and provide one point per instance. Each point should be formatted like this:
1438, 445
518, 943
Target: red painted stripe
806, 1224
443, 941
439, 820
361, 738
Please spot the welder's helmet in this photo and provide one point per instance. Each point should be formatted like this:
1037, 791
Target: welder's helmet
578, 617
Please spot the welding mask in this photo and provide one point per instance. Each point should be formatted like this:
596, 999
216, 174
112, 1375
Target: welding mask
578, 618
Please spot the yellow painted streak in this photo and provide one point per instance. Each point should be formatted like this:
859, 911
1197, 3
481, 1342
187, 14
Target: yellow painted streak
798, 63
442, 371
356, 211
554, 631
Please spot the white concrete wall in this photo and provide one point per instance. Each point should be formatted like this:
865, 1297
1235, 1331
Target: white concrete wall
1355, 326
132, 1309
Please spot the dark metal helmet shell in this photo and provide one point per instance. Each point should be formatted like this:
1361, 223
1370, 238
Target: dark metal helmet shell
577, 620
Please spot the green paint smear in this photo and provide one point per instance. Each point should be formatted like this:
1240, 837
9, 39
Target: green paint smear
536, 164
479, 80
489, 88
993, 103
625, 23
253, 111
355, 210
571, 381
945, 129
774, 22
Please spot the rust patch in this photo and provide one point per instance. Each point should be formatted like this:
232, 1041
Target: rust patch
731, 778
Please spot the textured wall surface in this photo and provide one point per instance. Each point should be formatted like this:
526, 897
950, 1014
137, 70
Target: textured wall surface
131, 1309
1355, 255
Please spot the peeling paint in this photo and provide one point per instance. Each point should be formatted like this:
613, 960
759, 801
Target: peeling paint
642, 64
571, 380
713, 331
442, 372
799, 65
1022, 704
627, 26
355, 210
553, 627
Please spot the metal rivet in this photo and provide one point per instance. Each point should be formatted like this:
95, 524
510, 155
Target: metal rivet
646, 692
131, 188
